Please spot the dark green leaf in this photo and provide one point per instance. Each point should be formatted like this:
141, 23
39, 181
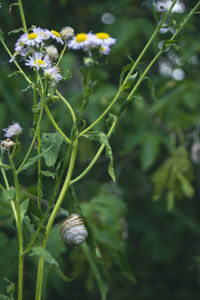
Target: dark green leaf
23, 208
54, 142
103, 139
34, 159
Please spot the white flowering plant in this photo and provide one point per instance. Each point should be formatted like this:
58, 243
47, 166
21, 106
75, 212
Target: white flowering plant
37, 59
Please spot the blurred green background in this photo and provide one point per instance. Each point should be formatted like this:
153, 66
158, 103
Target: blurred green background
156, 150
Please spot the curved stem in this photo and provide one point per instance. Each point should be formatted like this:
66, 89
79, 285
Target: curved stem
52, 217
19, 229
89, 167
61, 55
68, 105
22, 15
33, 141
55, 124
130, 72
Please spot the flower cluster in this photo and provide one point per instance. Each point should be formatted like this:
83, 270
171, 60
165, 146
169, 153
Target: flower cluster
38, 53
90, 41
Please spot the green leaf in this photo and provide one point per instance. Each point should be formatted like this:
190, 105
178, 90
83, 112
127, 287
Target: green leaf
103, 139
4, 166
54, 141
187, 188
50, 260
35, 210
9, 194
48, 174
123, 71
23, 208
16, 30
150, 150
34, 159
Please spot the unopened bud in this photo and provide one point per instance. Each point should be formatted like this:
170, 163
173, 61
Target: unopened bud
52, 52
66, 33
88, 61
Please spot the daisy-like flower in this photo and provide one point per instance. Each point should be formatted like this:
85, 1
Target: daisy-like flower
53, 74
45, 34
56, 35
84, 41
19, 44
13, 130
38, 61
6, 144
104, 49
66, 33
31, 39
105, 39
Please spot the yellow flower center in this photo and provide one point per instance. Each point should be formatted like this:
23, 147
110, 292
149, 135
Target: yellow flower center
21, 44
32, 36
55, 33
102, 35
38, 62
81, 37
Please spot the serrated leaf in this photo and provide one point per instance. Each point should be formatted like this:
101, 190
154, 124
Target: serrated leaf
48, 174
103, 139
34, 159
54, 141
23, 208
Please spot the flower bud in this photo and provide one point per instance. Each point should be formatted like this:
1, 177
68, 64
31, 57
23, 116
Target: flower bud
88, 61
7, 144
52, 52
66, 33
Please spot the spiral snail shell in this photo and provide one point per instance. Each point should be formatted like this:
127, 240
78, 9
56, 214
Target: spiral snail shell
73, 230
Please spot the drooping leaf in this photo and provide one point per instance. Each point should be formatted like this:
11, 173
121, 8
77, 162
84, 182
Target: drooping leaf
103, 139
51, 261
54, 142
34, 159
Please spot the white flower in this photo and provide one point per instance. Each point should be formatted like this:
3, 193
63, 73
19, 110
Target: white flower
56, 35
31, 39
44, 34
12, 130
84, 41
13, 57
6, 144
19, 44
53, 74
38, 61
105, 39
104, 49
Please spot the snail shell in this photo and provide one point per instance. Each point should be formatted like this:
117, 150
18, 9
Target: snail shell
73, 230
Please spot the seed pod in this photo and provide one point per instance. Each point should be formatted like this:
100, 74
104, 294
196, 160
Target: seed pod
73, 230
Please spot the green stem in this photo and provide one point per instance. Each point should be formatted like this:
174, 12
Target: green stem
95, 157
68, 105
17, 65
33, 141
61, 55
39, 168
19, 229
52, 217
55, 124
130, 72
94, 268
22, 15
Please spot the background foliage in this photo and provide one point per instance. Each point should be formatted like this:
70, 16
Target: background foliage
156, 198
